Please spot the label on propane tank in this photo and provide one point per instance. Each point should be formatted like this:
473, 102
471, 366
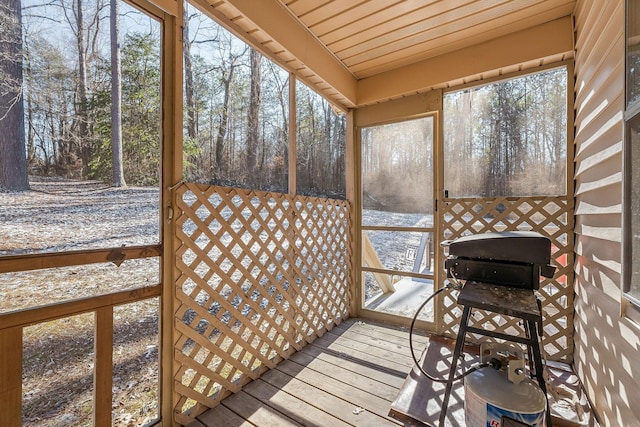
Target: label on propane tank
479, 413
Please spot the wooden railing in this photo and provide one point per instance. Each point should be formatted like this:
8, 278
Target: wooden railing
258, 276
12, 326
370, 259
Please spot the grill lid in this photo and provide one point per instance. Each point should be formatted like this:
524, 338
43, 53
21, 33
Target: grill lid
508, 246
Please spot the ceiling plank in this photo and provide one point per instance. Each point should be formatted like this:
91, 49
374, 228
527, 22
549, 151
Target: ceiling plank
347, 22
548, 39
329, 10
398, 25
426, 30
452, 41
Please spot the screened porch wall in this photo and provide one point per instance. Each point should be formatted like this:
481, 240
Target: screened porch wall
258, 276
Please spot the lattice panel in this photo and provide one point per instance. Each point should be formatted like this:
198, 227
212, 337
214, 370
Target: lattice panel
259, 275
550, 216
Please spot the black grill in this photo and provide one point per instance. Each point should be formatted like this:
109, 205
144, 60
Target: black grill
511, 258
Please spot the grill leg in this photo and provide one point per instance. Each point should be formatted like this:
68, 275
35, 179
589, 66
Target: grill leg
532, 334
454, 362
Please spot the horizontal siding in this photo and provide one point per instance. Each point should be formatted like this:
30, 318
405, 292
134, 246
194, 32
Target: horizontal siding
599, 95
600, 179
608, 351
599, 28
606, 346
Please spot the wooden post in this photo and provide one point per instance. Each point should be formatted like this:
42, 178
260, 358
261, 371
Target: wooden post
171, 176
103, 367
292, 171
352, 181
11, 377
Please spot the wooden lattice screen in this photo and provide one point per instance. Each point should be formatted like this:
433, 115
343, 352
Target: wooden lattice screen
258, 276
549, 216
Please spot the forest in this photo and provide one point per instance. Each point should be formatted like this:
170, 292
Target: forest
237, 118
83, 101
502, 139
507, 138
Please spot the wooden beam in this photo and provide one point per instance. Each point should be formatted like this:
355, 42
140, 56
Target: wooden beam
272, 18
168, 6
11, 377
413, 106
371, 260
157, 8
65, 259
45, 313
545, 40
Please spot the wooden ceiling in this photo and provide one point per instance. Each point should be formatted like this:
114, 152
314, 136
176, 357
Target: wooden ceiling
335, 45
373, 36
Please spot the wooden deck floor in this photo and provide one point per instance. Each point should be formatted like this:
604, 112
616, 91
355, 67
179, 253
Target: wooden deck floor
356, 375
348, 377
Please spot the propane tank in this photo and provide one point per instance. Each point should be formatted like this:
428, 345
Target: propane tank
493, 396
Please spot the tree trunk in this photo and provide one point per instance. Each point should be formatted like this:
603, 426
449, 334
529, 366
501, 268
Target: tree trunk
253, 129
190, 98
116, 97
221, 169
13, 159
82, 112
30, 137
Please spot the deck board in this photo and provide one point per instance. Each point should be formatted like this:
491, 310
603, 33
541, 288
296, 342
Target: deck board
315, 355
348, 377
222, 416
362, 358
256, 412
349, 374
278, 391
349, 392
321, 399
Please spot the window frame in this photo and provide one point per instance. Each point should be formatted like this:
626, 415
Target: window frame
630, 303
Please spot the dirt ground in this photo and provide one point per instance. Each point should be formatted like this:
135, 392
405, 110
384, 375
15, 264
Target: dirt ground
60, 215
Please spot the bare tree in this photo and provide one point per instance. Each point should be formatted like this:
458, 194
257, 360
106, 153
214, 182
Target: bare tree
253, 128
82, 109
190, 101
116, 99
84, 20
13, 160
